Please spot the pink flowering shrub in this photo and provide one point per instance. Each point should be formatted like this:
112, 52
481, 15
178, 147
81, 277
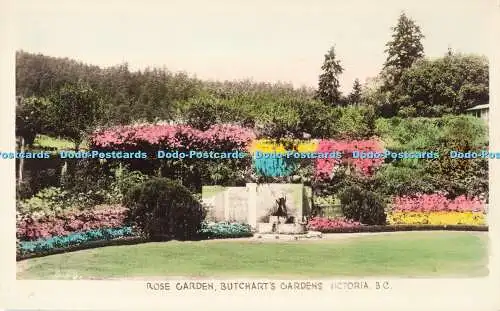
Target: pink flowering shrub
323, 224
324, 167
217, 137
437, 202
30, 228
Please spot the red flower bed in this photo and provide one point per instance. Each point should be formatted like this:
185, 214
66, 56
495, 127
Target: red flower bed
217, 137
29, 228
437, 202
324, 224
324, 167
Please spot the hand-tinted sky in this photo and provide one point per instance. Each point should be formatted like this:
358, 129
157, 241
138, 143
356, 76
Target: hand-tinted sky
267, 40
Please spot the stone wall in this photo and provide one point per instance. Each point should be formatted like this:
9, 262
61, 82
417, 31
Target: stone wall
252, 203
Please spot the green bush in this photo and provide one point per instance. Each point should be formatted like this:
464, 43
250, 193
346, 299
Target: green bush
402, 180
164, 209
122, 182
48, 200
364, 206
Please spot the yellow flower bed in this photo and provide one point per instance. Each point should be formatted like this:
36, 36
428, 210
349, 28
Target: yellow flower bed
270, 146
436, 218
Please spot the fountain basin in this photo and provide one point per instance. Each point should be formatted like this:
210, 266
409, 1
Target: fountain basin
294, 228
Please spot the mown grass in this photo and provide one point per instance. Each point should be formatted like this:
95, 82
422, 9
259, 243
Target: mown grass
408, 254
47, 142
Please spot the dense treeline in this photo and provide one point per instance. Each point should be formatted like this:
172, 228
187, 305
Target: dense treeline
147, 95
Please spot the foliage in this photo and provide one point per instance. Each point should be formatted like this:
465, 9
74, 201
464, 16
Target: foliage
54, 200
164, 209
31, 227
123, 181
400, 180
404, 48
225, 230
203, 112
441, 135
362, 205
356, 123
354, 97
31, 118
328, 86
181, 137
436, 218
75, 110
87, 180
426, 134
76, 238
449, 84
151, 94
324, 224
51, 200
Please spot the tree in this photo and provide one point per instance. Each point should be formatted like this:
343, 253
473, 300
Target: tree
403, 50
355, 96
328, 89
31, 118
447, 85
75, 111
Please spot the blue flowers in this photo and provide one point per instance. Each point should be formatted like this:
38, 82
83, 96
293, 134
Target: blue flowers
224, 230
45, 245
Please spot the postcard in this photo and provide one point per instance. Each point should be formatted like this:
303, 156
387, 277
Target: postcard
278, 154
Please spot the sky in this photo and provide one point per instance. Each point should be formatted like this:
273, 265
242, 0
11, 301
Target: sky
264, 40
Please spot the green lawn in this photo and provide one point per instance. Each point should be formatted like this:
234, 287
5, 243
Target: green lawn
44, 141
409, 254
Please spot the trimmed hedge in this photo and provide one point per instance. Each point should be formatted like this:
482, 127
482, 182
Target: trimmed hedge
394, 228
225, 230
44, 246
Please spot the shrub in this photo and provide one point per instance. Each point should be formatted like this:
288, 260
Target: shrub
225, 230
322, 224
164, 209
76, 238
122, 182
48, 200
364, 206
30, 227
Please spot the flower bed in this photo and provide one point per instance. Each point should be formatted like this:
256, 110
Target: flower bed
437, 203
174, 137
437, 218
225, 230
47, 245
325, 224
30, 228
436, 209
